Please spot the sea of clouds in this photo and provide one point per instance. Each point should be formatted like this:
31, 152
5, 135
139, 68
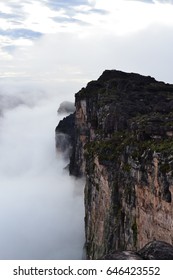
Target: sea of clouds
41, 206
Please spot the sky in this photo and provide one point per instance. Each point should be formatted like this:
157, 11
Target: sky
49, 49
76, 40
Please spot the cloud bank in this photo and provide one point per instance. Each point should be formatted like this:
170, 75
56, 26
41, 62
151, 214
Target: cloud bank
41, 207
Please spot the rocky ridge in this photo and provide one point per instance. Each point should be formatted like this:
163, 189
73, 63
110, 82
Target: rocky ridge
122, 141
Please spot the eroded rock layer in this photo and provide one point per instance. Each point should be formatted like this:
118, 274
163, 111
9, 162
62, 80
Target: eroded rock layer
123, 144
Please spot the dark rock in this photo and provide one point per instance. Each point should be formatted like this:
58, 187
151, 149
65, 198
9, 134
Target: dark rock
123, 255
120, 75
66, 126
157, 250
64, 135
63, 144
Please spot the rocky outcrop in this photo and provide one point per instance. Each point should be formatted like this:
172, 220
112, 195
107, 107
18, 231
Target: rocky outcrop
157, 250
123, 255
65, 134
123, 144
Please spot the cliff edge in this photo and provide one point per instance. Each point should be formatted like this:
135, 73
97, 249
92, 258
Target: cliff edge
122, 141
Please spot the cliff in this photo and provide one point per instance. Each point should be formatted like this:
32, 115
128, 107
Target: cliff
122, 141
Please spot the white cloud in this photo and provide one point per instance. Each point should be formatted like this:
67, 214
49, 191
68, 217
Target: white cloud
4, 7
39, 21
63, 53
65, 56
41, 207
133, 16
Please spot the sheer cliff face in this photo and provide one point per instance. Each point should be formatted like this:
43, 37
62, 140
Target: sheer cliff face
123, 144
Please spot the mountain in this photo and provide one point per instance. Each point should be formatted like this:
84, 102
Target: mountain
122, 142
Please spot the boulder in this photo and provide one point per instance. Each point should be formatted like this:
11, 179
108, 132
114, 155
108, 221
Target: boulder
123, 255
157, 250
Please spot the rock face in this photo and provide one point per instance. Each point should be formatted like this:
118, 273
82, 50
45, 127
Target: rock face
123, 144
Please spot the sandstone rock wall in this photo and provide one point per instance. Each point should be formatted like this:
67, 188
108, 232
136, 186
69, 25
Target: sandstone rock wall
123, 144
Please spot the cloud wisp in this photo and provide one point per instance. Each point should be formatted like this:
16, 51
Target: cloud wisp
154, 1
20, 33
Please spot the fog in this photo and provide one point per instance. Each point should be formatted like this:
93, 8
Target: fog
41, 206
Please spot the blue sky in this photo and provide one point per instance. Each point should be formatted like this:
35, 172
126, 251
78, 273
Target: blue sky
77, 39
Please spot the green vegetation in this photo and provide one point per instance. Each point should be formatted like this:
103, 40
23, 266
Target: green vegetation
126, 167
165, 167
111, 149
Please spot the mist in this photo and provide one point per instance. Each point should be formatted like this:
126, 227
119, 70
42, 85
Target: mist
41, 206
